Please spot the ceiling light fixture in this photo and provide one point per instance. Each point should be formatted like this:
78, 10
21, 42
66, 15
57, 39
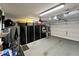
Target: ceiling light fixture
55, 18
52, 9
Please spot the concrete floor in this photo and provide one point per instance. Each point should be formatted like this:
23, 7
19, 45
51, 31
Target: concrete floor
53, 47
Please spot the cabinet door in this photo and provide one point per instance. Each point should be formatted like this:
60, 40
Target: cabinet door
22, 35
30, 34
37, 32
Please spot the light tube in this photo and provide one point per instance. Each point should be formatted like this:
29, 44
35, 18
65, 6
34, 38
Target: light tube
54, 9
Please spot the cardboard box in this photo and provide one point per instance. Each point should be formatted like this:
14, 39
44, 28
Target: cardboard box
1, 47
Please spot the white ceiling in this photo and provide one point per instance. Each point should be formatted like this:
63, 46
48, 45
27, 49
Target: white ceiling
32, 9
68, 6
25, 9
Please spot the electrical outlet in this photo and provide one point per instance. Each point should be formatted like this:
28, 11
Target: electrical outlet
66, 33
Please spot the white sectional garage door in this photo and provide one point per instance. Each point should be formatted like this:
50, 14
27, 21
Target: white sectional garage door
69, 30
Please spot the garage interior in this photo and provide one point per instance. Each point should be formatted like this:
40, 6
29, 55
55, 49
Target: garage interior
40, 29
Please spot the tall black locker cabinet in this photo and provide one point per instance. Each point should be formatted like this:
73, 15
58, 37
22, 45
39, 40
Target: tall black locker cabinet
22, 34
37, 32
30, 34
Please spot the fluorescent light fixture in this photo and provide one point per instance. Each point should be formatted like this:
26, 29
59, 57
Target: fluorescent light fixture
54, 9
